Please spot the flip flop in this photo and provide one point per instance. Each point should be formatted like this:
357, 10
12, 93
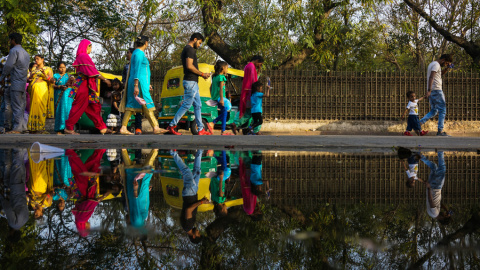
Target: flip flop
70, 132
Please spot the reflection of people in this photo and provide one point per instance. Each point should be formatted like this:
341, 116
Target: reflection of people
256, 175
138, 188
249, 191
63, 181
40, 185
217, 186
434, 186
86, 176
189, 194
12, 167
412, 168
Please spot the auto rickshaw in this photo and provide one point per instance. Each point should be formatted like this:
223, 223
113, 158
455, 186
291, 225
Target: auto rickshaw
172, 182
172, 97
85, 123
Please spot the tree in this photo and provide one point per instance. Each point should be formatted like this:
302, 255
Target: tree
464, 33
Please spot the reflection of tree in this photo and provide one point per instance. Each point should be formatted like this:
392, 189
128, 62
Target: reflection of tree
472, 225
335, 236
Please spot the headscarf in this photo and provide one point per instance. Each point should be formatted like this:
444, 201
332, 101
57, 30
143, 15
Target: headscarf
249, 77
84, 65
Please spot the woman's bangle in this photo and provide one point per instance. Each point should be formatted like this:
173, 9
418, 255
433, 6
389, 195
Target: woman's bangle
202, 74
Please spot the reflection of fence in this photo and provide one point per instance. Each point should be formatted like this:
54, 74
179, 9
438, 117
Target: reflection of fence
351, 178
346, 95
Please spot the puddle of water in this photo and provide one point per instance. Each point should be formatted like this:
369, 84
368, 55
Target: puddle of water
131, 208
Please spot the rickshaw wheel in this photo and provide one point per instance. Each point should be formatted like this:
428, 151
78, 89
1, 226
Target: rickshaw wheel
193, 126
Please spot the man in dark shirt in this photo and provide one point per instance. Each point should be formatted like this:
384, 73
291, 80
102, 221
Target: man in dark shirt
190, 85
189, 194
138, 116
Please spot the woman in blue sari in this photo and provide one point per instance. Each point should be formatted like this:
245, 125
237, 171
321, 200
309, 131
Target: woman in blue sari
138, 188
62, 181
137, 98
63, 103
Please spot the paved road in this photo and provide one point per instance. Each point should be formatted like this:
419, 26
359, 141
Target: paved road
337, 143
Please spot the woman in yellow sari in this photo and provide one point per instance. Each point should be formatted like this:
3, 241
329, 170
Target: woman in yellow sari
41, 96
40, 185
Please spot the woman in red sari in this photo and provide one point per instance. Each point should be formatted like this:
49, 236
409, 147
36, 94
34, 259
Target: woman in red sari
85, 91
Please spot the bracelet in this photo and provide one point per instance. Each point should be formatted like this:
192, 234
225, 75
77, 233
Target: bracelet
202, 74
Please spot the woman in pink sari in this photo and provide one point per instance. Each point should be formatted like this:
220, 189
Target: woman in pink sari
249, 77
86, 176
85, 92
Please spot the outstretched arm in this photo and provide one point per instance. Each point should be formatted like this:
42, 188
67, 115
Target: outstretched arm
404, 113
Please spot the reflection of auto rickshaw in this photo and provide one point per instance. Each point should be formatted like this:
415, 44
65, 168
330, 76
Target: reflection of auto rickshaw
172, 96
85, 123
172, 182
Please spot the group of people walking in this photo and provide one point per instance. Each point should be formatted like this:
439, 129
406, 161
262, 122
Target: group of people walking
34, 90
32, 93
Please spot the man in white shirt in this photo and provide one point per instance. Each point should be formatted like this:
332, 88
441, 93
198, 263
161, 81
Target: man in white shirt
434, 91
434, 186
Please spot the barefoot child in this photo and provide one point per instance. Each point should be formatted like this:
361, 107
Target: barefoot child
256, 100
219, 80
413, 121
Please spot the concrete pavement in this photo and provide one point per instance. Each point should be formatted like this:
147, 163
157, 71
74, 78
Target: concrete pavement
336, 143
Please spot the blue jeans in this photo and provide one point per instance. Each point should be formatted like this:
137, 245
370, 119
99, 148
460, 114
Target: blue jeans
191, 96
437, 172
437, 105
222, 117
190, 178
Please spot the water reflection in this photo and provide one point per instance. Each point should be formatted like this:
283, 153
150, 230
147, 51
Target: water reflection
150, 208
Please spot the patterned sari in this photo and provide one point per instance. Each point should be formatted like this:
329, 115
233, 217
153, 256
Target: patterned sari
41, 103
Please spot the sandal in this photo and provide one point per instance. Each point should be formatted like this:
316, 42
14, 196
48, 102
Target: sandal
161, 131
13, 132
227, 134
70, 132
106, 131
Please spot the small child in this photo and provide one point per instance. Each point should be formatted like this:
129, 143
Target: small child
256, 100
219, 81
412, 168
413, 121
113, 120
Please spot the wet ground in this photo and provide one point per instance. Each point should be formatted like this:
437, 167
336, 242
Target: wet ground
139, 209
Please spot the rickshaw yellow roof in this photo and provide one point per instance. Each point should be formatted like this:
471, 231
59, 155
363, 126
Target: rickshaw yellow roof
110, 76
